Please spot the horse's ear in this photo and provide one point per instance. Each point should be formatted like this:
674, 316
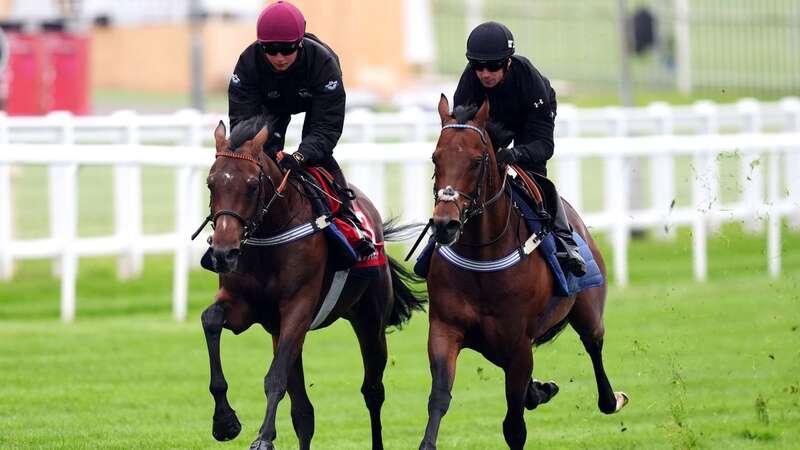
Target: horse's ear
444, 109
482, 116
219, 132
260, 139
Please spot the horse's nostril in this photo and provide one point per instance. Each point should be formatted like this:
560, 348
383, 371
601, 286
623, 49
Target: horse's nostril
233, 253
453, 226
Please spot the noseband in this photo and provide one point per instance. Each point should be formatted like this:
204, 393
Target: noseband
448, 194
248, 226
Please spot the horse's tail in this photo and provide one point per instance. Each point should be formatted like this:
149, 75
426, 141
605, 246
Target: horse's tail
407, 297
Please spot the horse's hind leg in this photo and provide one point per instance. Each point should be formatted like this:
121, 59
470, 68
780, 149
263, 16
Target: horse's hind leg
539, 393
369, 328
225, 426
586, 318
518, 375
302, 409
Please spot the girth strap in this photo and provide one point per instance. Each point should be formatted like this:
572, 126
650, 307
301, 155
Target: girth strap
496, 265
291, 235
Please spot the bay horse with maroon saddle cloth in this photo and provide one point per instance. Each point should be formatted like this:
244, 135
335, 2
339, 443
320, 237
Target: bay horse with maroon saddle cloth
489, 290
278, 268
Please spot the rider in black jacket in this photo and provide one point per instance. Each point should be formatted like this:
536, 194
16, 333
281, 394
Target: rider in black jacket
523, 102
288, 71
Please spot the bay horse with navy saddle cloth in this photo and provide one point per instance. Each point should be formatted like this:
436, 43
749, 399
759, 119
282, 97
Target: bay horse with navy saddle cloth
278, 267
493, 279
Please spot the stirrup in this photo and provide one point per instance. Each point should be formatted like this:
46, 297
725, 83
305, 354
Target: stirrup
364, 247
574, 264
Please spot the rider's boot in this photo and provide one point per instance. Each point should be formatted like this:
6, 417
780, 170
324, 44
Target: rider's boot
364, 246
568, 254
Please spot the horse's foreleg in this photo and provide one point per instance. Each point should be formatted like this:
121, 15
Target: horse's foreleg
444, 343
372, 340
225, 425
289, 345
586, 318
518, 375
302, 409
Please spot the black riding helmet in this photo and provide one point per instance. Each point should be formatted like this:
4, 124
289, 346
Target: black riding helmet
490, 41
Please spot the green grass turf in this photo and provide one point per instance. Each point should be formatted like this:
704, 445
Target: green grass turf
706, 365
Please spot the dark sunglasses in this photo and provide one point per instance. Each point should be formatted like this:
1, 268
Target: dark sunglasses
491, 66
284, 48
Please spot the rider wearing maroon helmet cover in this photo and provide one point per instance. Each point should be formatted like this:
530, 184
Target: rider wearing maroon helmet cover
287, 71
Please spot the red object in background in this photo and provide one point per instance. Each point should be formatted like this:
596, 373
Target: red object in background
66, 75
24, 75
47, 71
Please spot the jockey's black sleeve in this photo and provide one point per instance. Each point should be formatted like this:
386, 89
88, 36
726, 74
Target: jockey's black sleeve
325, 118
244, 96
534, 142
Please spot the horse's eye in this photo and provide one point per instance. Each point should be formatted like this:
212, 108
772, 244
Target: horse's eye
475, 164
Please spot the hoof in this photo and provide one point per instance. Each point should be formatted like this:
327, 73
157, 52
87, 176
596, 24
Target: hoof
622, 400
539, 393
260, 444
226, 426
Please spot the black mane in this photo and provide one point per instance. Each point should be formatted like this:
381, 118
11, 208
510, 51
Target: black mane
247, 129
497, 134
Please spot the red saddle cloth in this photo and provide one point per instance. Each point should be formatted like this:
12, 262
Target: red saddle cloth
350, 232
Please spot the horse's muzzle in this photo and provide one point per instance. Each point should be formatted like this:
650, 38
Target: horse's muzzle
222, 260
446, 230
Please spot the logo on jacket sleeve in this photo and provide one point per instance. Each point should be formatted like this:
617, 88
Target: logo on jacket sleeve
538, 103
235, 79
304, 93
331, 85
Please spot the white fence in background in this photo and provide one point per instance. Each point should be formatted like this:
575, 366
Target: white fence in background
59, 141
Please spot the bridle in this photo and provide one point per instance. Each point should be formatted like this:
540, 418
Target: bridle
448, 194
248, 226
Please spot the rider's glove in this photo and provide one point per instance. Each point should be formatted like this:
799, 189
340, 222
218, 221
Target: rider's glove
292, 162
507, 156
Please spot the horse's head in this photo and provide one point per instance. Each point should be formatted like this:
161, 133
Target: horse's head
463, 160
239, 185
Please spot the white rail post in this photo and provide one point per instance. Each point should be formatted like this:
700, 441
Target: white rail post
662, 171
473, 14
64, 121
791, 107
128, 202
708, 113
416, 191
180, 277
194, 138
774, 226
752, 174
684, 46
67, 209
417, 197
369, 176
569, 167
701, 200
616, 194
196, 189
6, 209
